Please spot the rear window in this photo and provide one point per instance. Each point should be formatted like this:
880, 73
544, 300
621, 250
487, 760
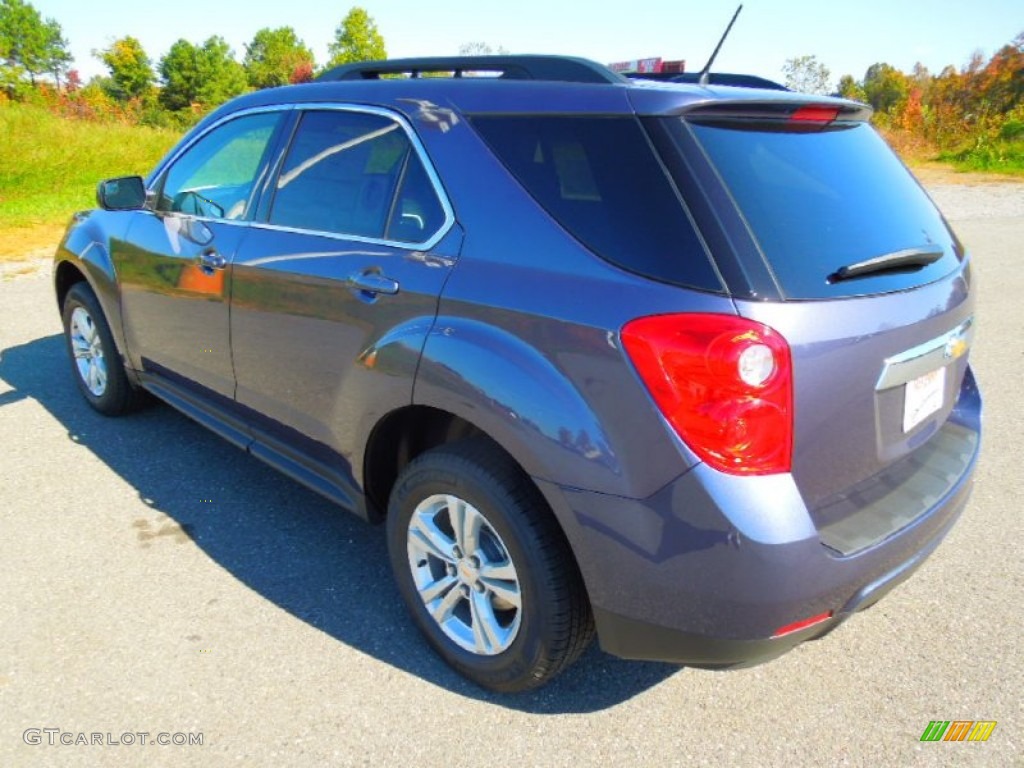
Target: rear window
818, 200
599, 178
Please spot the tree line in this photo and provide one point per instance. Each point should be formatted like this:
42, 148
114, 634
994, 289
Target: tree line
189, 80
973, 114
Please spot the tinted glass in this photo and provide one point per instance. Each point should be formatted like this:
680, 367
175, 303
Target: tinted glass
599, 178
216, 176
417, 213
818, 200
341, 174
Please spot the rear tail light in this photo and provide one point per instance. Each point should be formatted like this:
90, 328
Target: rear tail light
724, 383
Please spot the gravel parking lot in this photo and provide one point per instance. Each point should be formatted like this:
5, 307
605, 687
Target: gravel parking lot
156, 580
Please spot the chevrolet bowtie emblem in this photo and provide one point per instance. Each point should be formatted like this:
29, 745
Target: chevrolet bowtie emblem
955, 347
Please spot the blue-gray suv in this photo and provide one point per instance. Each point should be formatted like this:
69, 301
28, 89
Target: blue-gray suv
683, 365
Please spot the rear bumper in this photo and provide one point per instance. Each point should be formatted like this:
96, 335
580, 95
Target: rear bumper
707, 570
632, 638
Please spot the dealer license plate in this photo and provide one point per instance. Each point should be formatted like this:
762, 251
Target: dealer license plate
924, 397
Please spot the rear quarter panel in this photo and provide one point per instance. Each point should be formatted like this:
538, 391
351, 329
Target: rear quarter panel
526, 343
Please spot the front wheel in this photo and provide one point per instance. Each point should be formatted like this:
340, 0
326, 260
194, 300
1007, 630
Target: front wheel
94, 357
484, 568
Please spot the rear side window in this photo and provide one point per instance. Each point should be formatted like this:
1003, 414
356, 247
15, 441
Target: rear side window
355, 173
599, 178
818, 200
417, 213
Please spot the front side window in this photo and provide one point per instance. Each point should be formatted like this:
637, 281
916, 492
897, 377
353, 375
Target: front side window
357, 174
216, 176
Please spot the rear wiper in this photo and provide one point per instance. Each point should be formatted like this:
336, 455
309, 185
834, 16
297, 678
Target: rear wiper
905, 259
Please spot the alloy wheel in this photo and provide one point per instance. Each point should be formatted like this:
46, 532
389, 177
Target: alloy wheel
464, 574
87, 347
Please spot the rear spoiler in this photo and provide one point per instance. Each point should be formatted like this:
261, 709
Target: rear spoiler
801, 110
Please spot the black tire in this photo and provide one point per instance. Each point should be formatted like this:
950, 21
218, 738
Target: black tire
116, 395
554, 623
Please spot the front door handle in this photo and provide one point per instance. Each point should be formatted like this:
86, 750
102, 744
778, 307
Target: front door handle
210, 259
373, 283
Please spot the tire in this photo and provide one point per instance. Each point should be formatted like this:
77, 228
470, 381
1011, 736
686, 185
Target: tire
95, 360
513, 611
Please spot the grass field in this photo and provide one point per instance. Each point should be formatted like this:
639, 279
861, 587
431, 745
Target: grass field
1005, 157
49, 167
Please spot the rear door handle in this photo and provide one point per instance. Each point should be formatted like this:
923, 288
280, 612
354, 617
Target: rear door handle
210, 259
373, 283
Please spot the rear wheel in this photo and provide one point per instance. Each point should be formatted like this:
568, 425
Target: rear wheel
95, 360
484, 568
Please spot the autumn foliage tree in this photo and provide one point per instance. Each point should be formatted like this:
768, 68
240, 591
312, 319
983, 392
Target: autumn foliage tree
959, 112
302, 73
275, 56
884, 86
1002, 79
849, 88
131, 71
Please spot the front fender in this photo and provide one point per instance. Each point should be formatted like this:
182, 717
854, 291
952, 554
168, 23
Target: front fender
85, 249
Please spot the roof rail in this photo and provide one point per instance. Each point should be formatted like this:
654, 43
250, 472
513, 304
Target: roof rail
527, 67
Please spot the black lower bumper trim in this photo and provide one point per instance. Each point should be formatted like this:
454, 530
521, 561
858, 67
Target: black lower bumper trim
631, 638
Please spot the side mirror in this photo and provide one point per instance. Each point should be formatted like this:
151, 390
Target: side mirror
127, 193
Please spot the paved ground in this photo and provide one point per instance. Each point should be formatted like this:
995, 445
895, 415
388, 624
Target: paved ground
155, 579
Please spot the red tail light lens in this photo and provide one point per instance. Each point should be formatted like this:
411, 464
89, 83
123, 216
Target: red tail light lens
814, 114
724, 383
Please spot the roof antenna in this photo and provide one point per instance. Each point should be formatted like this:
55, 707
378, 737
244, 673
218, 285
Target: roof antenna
704, 73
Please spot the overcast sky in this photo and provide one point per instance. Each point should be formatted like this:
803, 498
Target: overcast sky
847, 37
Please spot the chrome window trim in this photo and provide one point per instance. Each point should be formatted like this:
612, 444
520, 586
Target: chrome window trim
414, 140
425, 246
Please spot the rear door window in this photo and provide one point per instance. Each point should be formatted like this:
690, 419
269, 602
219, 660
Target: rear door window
600, 179
818, 200
355, 174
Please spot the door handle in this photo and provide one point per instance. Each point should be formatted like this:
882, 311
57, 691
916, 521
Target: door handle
373, 283
210, 259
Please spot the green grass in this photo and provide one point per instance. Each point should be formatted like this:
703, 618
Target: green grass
49, 166
994, 156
